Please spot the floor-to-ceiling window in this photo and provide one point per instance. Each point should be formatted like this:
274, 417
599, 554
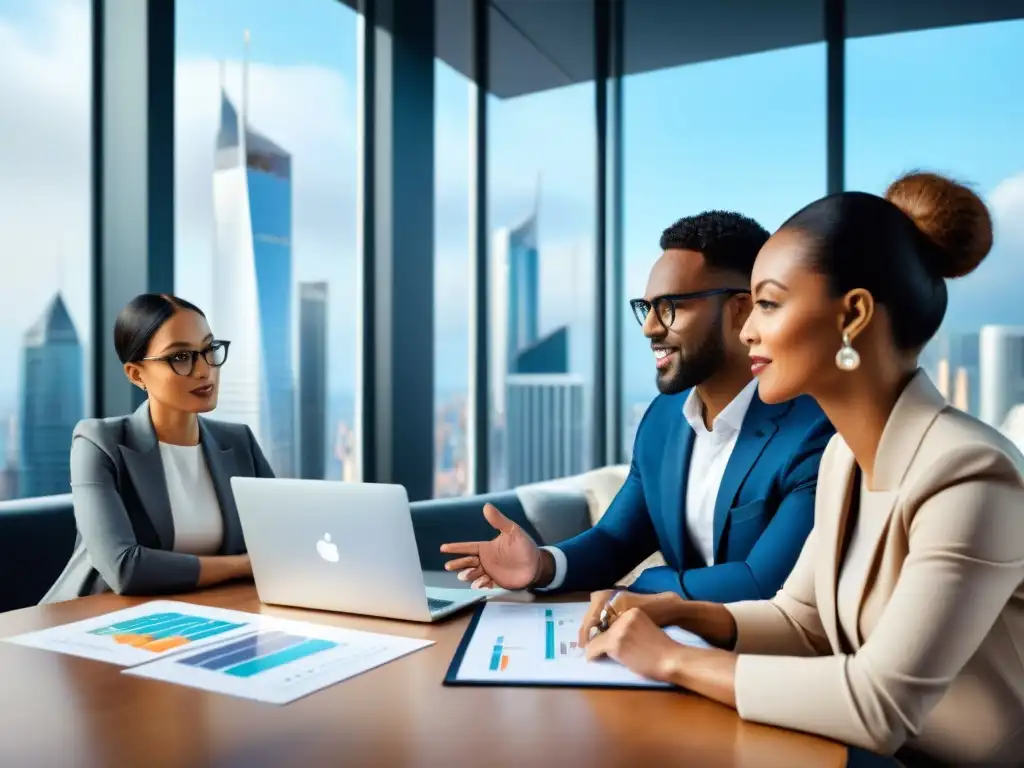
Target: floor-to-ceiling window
452, 104
46, 257
744, 134
541, 214
947, 100
265, 204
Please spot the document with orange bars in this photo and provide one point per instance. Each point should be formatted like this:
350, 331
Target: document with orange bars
142, 633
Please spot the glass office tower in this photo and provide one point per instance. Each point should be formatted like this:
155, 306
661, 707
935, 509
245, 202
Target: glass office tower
1001, 353
253, 283
312, 452
51, 401
523, 288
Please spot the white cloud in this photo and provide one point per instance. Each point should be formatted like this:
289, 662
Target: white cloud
1007, 205
991, 294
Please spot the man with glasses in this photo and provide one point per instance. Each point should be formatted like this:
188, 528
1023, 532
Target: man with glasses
720, 482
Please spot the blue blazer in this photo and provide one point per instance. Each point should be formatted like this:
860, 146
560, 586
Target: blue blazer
763, 513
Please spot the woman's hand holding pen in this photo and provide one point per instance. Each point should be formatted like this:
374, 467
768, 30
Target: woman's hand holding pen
609, 605
638, 643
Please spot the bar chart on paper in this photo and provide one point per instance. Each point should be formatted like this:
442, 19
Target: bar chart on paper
560, 642
258, 654
281, 661
142, 633
527, 643
158, 632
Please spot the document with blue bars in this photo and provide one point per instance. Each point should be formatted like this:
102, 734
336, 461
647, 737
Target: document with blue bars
280, 661
142, 633
249, 655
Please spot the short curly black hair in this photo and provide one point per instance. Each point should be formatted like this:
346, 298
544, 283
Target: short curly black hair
729, 241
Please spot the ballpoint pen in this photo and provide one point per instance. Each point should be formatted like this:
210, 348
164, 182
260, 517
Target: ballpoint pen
603, 619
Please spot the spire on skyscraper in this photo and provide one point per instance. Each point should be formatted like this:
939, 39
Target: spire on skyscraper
526, 232
246, 38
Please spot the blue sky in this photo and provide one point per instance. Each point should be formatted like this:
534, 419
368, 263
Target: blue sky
745, 133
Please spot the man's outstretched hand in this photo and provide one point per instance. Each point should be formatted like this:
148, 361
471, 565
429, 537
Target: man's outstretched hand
511, 560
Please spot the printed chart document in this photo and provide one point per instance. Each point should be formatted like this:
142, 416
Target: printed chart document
537, 644
280, 660
142, 633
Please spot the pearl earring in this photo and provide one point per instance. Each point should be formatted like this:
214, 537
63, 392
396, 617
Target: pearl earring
847, 358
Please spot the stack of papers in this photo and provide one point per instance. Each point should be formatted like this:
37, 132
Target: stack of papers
240, 654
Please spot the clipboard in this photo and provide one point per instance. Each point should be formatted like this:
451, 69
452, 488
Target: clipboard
479, 662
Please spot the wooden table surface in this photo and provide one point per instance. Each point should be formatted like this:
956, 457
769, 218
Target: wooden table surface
58, 710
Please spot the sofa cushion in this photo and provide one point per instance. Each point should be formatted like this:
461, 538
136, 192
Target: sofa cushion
557, 514
37, 537
550, 508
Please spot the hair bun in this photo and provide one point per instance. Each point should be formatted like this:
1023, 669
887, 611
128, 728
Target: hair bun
950, 215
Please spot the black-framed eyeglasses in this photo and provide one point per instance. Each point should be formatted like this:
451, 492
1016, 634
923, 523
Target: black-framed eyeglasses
184, 363
665, 306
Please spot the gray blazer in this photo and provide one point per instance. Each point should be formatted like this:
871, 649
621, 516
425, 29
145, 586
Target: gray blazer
123, 513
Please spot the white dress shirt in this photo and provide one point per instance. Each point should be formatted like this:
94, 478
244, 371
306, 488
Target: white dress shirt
198, 523
709, 458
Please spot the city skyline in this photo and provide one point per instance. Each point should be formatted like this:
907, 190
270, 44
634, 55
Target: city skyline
750, 146
62, 31
325, 125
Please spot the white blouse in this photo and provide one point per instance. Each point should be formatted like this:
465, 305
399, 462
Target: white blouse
198, 524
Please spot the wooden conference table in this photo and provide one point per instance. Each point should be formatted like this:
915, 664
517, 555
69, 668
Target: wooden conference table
60, 710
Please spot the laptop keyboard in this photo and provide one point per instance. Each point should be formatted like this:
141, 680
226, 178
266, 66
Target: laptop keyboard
435, 604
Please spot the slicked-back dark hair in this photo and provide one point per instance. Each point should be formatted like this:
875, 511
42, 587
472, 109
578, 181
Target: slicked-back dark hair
139, 321
901, 248
729, 241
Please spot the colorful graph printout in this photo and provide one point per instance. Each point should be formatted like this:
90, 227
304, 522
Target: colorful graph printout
524, 643
281, 661
142, 633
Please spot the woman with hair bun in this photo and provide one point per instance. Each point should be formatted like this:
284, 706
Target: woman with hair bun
152, 490
901, 628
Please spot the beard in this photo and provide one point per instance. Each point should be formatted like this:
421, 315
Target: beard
696, 366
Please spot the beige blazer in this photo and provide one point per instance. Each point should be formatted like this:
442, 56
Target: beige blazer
935, 658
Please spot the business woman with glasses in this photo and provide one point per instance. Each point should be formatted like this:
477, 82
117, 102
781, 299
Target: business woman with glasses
151, 491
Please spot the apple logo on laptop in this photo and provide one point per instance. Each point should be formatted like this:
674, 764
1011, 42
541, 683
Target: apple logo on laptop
327, 549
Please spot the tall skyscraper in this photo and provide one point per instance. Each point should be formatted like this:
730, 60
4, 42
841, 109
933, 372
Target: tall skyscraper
515, 305
9, 474
1001, 355
545, 427
312, 380
252, 195
523, 287
51, 401
953, 360
942, 377
962, 390
538, 430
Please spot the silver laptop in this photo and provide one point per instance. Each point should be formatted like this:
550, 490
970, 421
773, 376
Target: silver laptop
337, 546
